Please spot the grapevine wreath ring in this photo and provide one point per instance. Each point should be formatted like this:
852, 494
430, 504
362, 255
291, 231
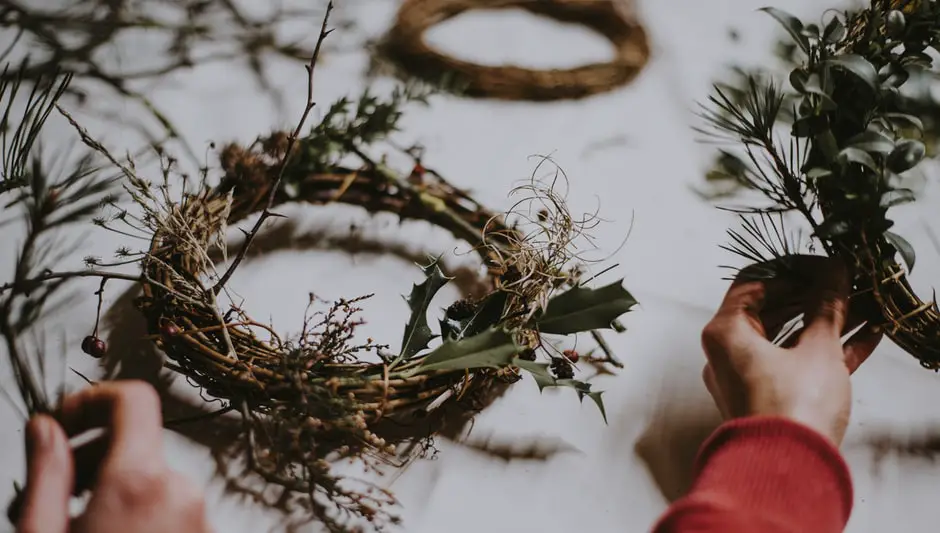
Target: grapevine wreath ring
308, 403
404, 45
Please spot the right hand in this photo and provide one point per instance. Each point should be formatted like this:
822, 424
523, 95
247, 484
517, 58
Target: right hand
133, 489
806, 380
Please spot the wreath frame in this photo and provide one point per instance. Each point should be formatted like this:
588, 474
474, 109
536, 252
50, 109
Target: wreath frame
404, 45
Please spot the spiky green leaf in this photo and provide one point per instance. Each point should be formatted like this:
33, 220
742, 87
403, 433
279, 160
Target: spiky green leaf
417, 333
494, 348
582, 309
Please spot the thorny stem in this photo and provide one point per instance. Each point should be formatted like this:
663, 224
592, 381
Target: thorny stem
100, 294
292, 140
49, 276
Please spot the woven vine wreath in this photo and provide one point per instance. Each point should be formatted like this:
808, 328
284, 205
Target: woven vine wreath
404, 45
320, 397
841, 169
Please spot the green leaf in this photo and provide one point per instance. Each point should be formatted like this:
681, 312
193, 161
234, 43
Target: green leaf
818, 172
581, 309
790, 23
859, 66
872, 141
906, 155
486, 316
858, 156
536, 369
417, 333
835, 31
832, 227
903, 120
494, 348
897, 197
903, 247
596, 398
582, 388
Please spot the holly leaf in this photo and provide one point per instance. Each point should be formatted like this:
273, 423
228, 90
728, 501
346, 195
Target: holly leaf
494, 348
486, 316
790, 23
903, 247
581, 309
581, 387
536, 369
417, 333
859, 66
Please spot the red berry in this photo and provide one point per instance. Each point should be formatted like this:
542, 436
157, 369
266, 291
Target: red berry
170, 330
94, 347
571, 355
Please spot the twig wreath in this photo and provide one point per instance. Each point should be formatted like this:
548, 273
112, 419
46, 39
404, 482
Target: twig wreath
323, 396
850, 141
404, 46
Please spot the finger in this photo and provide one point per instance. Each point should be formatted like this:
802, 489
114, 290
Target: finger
860, 346
741, 307
711, 384
45, 503
130, 411
827, 310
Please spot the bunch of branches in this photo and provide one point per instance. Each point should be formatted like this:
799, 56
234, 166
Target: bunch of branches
40, 193
309, 401
726, 178
81, 37
840, 165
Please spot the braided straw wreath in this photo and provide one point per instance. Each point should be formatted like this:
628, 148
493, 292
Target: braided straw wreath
405, 47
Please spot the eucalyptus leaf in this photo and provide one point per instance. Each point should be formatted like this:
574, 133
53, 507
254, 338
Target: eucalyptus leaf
582, 309
494, 348
897, 197
790, 23
906, 155
903, 120
417, 333
859, 66
872, 141
903, 247
818, 172
832, 227
858, 156
835, 31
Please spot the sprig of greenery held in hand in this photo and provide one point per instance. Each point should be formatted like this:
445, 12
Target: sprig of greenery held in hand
851, 140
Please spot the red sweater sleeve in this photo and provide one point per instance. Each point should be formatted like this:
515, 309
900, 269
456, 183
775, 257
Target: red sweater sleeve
768, 475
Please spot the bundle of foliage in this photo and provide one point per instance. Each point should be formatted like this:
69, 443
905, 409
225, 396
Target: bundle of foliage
839, 163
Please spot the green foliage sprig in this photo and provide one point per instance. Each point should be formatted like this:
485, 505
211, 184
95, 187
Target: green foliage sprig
850, 141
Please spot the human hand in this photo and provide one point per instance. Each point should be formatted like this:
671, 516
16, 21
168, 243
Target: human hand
133, 490
807, 379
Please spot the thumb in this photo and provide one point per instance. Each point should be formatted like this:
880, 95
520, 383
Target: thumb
48, 478
826, 313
